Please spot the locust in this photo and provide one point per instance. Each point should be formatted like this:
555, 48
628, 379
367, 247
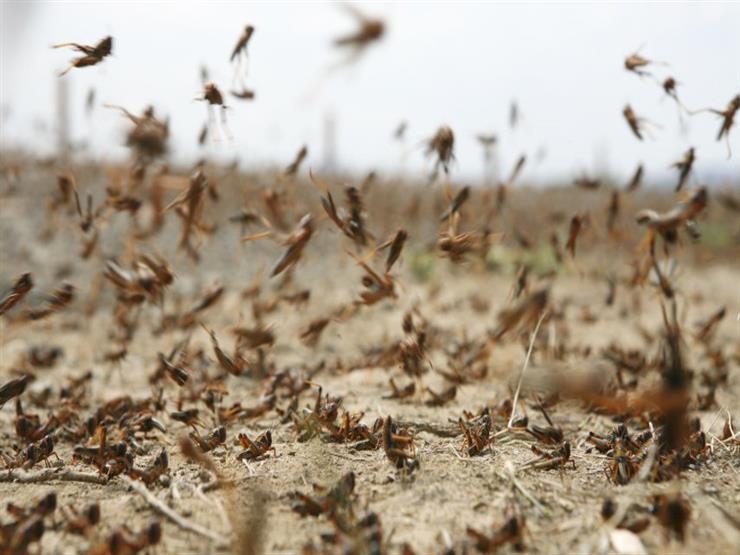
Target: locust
511, 531
311, 334
159, 467
441, 145
635, 123
503, 188
635, 62
23, 284
476, 437
396, 246
522, 315
636, 179
456, 203
233, 365
369, 30
93, 55
684, 167
189, 206
213, 97
81, 522
215, 438
243, 94
124, 541
292, 168
296, 242
400, 392
175, 373
377, 287
352, 225
399, 446
148, 136
240, 48
666, 225
59, 299
728, 119
707, 327
13, 388
261, 445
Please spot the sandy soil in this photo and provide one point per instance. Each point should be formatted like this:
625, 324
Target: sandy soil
449, 492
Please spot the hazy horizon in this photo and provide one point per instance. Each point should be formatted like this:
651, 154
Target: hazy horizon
438, 63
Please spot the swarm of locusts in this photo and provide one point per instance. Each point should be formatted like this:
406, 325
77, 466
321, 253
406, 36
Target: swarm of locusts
325, 401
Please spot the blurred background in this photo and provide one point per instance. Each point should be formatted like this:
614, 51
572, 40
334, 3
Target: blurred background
460, 64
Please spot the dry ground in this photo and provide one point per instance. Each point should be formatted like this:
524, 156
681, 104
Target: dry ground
449, 492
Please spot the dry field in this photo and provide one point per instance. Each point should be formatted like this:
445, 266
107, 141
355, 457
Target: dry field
418, 485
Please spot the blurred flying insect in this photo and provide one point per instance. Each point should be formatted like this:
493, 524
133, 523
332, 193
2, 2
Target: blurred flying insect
457, 202
635, 123
514, 114
585, 182
189, 206
213, 96
516, 170
240, 49
13, 388
503, 188
149, 135
666, 225
441, 145
92, 54
396, 246
352, 225
239, 53
377, 287
707, 327
312, 333
523, 315
295, 241
669, 87
244, 94
175, 373
292, 168
728, 119
684, 166
370, 30
400, 133
90, 101
203, 135
233, 365
57, 300
636, 180
20, 289
635, 62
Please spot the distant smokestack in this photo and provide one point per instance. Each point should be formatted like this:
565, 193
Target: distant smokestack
62, 84
330, 145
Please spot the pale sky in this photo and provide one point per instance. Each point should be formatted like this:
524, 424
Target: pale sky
458, 64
